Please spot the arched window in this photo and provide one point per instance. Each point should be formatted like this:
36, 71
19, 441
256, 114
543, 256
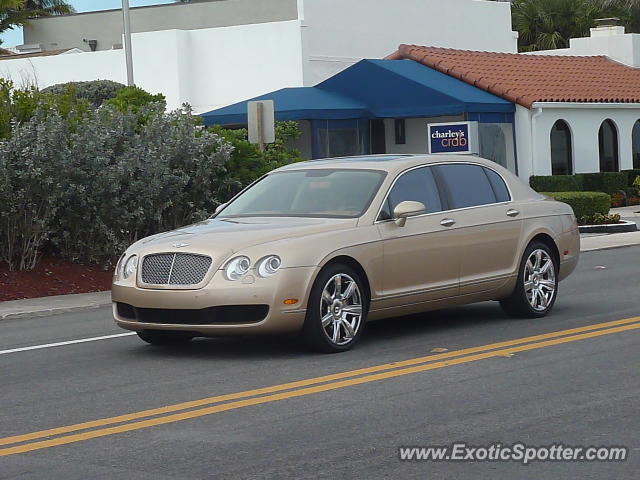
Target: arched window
561, 154
636, 144
608, 141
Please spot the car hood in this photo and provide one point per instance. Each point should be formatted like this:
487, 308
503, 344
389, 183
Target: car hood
222, 237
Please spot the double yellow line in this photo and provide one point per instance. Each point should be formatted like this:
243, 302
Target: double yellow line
221, 403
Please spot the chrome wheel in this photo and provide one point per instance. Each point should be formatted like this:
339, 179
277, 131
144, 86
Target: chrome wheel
539, 280
341, 309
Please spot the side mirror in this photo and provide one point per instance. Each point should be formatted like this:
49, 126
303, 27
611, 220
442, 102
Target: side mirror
407, 209
220, 207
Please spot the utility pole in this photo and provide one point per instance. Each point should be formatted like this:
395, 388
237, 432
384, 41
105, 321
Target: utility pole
126, 20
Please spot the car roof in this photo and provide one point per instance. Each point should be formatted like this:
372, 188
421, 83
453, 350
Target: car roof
391, 163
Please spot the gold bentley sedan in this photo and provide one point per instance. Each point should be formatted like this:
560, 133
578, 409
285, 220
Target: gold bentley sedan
321, 247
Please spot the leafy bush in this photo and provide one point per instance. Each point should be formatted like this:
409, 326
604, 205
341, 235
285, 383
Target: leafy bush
93, 188
30, 192
95, 92
631, 175
248, 164
556, 183
599, 219
134, 98
133, 184
607, 182
584, 204
636, 184
17, 106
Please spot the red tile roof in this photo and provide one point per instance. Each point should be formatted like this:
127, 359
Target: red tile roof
525, 79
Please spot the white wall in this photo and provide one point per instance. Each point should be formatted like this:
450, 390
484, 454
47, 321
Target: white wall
230, 64
105, 26
584, 120
214, 67
416, 134
336, 33
524, 145
45, 71
623, 48
610, 41
207, 68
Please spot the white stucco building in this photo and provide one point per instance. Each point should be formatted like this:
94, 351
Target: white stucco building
548, 113
213, 53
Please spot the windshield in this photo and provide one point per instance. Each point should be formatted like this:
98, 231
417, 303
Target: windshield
338, 193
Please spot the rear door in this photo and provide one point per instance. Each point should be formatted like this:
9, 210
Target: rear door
486, 223
421, 258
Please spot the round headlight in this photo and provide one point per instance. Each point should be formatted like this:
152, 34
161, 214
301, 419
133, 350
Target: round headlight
236, 268
130, 266
267, 266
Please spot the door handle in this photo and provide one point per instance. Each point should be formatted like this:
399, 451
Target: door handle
512, 212
447, 222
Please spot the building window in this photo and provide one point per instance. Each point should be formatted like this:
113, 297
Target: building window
636, 144
561, 153
340, 138
608, 141
493, 143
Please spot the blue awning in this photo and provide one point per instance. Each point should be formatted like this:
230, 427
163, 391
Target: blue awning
373, 89
303, 103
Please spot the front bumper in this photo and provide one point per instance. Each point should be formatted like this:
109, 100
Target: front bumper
288, 283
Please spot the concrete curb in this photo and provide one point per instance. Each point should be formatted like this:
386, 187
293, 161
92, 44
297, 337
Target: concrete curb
605, 242
44, 306
624, 226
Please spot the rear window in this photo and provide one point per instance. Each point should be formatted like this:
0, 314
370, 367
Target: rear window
498, 185
466, 185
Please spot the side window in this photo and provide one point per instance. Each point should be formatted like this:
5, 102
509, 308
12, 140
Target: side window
418, 185
466, 185
499, 187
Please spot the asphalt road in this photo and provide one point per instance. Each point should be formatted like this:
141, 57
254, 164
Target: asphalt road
579, 388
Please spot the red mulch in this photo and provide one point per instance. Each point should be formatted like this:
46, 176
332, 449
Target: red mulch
53, 276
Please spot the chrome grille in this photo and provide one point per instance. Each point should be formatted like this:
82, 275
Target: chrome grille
174, 268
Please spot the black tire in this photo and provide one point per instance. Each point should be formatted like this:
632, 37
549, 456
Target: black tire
518, 304
165, 337
314, 334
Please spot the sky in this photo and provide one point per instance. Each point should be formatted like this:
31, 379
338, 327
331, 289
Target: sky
14, 37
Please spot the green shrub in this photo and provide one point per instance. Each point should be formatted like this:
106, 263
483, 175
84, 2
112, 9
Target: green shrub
91, 188
607, 182
636, 184
30, 193
134, 98
95, 92
599, 219
584, 204
556, 183
17, 106
632, 175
